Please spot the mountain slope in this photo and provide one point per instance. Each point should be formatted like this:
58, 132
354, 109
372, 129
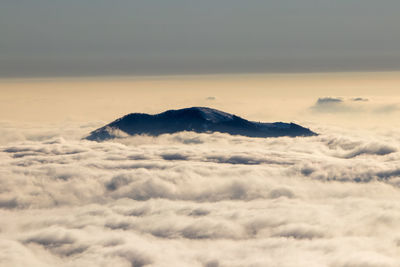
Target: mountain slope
196, 119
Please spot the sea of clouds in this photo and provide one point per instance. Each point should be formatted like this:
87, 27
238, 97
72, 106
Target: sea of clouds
192, 199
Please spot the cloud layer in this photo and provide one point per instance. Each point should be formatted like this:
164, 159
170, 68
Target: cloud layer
353, 105
201, 200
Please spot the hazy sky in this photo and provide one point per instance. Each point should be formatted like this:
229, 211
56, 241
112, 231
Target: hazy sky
87, 37
350, 99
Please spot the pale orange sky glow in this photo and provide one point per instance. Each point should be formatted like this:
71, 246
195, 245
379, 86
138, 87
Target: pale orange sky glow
269, 97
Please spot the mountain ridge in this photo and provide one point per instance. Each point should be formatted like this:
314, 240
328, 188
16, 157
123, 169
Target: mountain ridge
196, 119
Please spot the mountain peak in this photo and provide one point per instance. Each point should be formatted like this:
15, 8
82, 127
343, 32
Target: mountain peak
208, 114
196, 119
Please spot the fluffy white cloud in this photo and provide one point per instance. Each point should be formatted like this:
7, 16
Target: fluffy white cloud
200, 200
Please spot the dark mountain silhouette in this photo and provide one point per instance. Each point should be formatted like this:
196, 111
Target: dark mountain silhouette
196, 119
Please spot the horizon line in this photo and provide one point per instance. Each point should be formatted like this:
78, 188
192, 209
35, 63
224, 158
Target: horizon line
186, 75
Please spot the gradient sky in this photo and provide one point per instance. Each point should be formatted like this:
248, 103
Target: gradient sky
45, 38
260, 97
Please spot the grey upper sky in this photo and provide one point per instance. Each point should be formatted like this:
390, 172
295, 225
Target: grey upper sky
152, 37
